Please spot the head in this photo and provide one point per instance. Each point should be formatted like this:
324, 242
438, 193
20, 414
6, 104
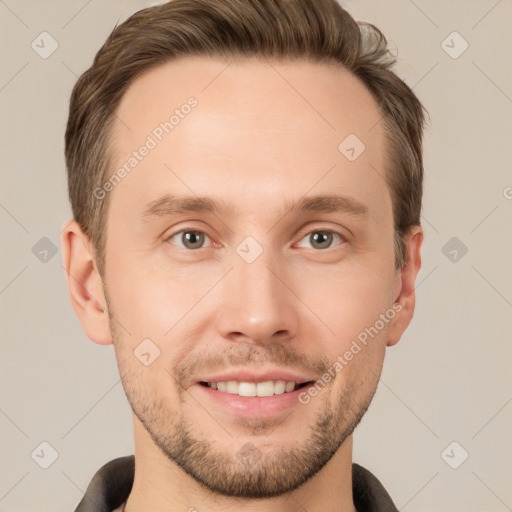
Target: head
207, 147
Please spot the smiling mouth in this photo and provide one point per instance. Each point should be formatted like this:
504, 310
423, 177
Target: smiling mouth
256, 389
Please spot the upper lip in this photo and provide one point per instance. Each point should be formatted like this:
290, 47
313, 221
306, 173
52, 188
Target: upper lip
242, 375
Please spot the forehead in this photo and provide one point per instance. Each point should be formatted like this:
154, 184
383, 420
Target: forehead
253, 131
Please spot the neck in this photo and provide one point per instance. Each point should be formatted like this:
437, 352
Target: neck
161, 485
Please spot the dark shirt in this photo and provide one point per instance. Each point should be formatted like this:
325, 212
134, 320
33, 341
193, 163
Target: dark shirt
113, 482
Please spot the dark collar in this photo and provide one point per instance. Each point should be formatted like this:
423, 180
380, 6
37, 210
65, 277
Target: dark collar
113, 482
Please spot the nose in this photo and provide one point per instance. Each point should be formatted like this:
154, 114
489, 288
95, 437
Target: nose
257, 304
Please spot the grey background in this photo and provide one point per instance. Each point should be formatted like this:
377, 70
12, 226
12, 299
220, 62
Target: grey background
448, 379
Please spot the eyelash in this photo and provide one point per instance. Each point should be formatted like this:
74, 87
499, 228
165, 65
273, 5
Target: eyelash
315, 230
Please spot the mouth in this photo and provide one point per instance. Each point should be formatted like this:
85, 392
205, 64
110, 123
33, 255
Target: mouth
266, 388
253, 400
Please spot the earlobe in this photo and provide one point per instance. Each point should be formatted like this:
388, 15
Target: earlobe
84, 283
406, 283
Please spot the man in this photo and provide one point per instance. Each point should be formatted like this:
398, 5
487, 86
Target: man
246, 183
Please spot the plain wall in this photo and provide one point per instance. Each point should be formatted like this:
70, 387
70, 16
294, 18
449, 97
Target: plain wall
448, 379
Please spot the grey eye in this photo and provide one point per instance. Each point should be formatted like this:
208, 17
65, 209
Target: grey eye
321, 239
189, 239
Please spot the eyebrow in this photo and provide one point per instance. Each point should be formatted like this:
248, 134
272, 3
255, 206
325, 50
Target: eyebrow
169, 205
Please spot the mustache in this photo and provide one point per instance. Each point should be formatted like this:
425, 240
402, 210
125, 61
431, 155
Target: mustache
249, 356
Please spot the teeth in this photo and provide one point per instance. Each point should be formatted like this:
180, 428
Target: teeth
279, 387
267, 388
245, 388
232, 387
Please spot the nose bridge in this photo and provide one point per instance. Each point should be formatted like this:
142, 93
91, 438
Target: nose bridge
256, 302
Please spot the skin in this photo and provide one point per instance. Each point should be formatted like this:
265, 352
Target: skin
262, 134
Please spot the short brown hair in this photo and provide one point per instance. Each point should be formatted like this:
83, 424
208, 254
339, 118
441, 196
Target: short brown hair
315, 30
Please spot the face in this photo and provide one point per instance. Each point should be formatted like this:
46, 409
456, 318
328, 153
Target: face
248, 251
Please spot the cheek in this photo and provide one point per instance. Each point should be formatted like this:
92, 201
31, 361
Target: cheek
152, 300
139, 301
347, 301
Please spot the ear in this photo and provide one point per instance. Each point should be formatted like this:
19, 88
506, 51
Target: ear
84, 283
405, 297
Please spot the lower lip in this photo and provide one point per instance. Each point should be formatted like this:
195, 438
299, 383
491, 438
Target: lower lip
254, 406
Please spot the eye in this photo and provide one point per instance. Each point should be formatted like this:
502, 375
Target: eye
322, 238
190, 238
194, 239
